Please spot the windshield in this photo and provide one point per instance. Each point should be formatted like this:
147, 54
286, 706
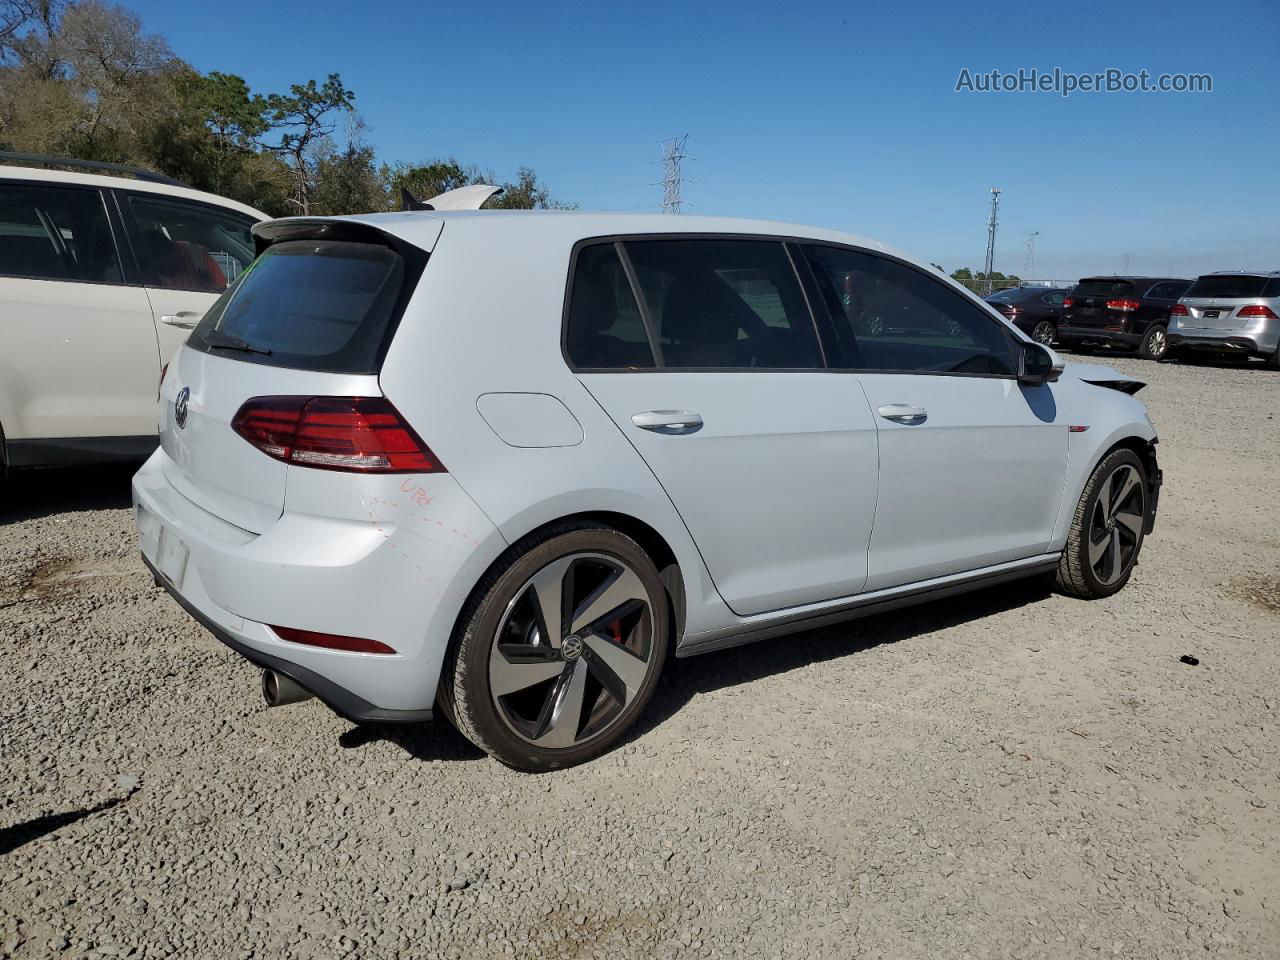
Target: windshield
1103, 288
323, 305
1220, 286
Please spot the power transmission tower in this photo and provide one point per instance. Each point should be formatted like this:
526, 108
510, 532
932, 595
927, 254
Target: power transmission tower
672, 154
1029, 267
991, 234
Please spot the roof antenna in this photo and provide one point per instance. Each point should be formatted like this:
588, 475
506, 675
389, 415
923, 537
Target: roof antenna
408, 202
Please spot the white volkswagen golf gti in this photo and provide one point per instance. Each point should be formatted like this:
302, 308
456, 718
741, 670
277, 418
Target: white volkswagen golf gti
509, 462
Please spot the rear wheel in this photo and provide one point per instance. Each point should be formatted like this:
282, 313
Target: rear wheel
1273, 361
1044, 332
560, 650
1107, 529
1155, 344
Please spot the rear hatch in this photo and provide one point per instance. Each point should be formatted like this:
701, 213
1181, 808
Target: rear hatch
311, 317
1089, 302
1214, 302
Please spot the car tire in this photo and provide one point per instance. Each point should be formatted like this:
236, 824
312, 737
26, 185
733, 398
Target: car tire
1273, 361
1155, 342
541, 691
1044, 333
1109, 522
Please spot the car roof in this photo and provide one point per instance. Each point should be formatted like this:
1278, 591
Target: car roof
9, 172
1242, 273
421, 227
1131, 278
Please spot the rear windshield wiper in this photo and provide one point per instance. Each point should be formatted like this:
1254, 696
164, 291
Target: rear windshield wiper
223, 341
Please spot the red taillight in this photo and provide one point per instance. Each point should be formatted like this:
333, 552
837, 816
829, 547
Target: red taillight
1068, 302
1125, 306
1256, 311
361, 434
331, 641
1179, 310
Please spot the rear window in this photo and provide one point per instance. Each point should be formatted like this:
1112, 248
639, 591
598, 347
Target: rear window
1103, 288
1220, 286
1012, 295
324, 305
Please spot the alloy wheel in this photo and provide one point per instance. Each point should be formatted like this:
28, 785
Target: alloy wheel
1157, 342
1115, 526
1043, 333
572, 650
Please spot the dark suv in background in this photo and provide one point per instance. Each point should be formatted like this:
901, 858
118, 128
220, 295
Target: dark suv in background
1120, 312
1033, 310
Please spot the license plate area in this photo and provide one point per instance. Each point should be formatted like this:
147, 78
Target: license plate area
1211, 314
163, 547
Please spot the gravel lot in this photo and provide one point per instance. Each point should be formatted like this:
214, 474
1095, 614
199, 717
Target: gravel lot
1010, 774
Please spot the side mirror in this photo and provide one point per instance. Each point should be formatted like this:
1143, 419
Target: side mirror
1037, 365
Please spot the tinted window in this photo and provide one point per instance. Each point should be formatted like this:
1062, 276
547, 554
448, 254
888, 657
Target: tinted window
1054, 299
56, 233
1103, 288
1228, 286
1168, 290
890, 316
314, 304
191, 246
725, 303
1012, 295
605, 330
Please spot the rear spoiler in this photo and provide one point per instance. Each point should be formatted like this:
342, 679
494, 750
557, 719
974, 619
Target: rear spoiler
464, 198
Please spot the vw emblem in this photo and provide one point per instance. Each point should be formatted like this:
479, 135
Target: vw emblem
180, 407
571, 649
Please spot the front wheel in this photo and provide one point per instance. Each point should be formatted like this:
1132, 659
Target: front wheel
1044, 333
560, 650
1107, 529
1155, 344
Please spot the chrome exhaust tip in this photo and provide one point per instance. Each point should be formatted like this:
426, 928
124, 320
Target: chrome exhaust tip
279, 691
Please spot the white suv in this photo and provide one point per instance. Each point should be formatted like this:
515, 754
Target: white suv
101, 279
506, 462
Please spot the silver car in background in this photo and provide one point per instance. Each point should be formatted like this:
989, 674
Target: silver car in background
1230, 312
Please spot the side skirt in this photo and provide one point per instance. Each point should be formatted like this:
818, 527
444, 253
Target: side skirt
881, 601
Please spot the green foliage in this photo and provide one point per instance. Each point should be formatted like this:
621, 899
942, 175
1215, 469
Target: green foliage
81, 78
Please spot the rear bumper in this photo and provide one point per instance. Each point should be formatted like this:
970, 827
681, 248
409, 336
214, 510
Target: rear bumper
1068, 335
1227, 343
339, 699
398, 575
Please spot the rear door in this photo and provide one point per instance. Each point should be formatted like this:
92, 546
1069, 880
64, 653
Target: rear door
1157, 302
716, 376
971, 462
78, 354
189, 252
308, 318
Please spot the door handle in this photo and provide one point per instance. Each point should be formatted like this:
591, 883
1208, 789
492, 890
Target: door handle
668, 421
183, 320
908, 413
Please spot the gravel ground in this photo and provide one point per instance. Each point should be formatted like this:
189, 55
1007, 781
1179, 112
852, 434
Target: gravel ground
1010, 774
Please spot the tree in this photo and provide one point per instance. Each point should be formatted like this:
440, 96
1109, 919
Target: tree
304, 117
347, 180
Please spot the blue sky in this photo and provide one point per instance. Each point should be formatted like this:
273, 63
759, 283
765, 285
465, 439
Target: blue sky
842, 115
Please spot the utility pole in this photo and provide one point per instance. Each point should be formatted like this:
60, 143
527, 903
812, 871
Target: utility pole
991, 234
1029, 266
672, 154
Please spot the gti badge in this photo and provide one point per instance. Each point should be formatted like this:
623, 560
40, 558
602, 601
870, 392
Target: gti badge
180, 407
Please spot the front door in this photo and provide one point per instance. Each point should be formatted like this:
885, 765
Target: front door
78, 354
769, 458
971, 461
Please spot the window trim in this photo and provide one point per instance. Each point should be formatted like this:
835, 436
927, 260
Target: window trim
1015, 342
620, 240
146, 265
113, 227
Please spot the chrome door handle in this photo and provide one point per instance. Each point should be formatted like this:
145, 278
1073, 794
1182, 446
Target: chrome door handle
185, 320
908, 413
668, 421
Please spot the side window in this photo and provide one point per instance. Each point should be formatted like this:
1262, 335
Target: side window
56, 233
191, 246
1054, 299
890, 316
605, 329
733, 304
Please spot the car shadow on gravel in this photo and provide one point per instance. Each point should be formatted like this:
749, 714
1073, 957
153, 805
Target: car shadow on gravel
685, 679
34, 494
437, 740
20, 834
